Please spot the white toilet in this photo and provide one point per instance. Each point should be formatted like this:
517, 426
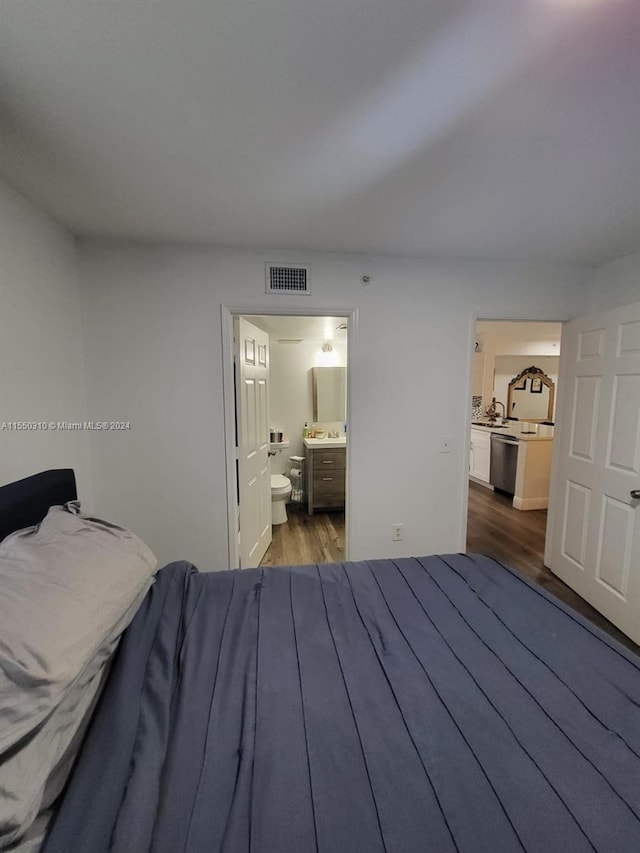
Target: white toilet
280, 491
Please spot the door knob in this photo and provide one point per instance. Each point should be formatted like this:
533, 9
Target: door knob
635, 494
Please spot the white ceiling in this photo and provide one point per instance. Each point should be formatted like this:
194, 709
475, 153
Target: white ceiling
314, 329
452, 128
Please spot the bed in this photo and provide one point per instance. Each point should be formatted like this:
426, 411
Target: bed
439, 703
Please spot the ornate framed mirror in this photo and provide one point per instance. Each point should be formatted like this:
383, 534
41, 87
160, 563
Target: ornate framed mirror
531, 396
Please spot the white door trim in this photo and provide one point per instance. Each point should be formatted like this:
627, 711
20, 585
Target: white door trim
227, 313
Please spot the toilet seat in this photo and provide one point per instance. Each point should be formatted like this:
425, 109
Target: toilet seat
280, 484
280, 491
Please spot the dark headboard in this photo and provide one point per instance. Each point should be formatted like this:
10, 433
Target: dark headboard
26, 502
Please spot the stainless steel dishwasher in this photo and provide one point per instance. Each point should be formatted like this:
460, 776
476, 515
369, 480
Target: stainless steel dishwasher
504, 461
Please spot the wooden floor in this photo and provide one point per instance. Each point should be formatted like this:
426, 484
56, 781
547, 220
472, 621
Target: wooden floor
517, 538
304, 539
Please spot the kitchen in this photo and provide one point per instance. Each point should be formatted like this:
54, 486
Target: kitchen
515, 372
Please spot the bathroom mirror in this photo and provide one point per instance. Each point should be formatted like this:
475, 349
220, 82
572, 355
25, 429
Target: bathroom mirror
531, 396
329, 393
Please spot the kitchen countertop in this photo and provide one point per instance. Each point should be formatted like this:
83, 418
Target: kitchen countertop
520, 430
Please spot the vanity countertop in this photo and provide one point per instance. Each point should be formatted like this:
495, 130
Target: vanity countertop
326, 442
522, 430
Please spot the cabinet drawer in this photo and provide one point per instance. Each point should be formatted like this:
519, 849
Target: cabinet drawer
328, 484
329, 459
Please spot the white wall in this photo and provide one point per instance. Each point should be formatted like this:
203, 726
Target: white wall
527, 339
41, 352
290, 399
616, 283
153, 347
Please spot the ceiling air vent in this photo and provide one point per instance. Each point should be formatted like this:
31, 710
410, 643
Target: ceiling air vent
283, 278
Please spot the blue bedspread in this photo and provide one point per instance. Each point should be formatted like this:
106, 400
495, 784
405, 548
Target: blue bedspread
435, 704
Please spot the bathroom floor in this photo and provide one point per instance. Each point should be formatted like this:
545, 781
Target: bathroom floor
304, 539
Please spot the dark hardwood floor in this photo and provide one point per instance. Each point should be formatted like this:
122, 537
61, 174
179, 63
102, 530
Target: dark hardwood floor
304, 539
517, 539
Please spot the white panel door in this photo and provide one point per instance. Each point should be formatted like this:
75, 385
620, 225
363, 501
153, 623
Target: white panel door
593, 535
251, 355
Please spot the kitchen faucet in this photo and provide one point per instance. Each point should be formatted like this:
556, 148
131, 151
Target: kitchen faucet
492, 414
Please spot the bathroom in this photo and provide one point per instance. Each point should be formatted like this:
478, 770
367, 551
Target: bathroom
297, 345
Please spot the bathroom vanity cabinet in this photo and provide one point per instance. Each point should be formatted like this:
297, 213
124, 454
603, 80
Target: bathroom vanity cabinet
325, 469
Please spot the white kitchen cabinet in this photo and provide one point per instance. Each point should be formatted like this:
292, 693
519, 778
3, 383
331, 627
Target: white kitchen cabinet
480, 455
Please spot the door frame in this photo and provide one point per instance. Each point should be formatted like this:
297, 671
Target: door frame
475, 317
227, 313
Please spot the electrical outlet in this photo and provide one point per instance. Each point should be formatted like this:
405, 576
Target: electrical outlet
396, 532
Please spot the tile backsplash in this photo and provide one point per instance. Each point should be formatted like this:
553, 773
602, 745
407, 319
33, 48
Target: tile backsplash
476, 407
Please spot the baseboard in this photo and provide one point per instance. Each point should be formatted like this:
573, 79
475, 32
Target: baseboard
481, 483
530, 503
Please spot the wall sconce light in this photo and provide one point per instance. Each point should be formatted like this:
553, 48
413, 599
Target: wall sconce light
326, 347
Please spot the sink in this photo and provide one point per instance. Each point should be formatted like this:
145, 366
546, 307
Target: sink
326, 442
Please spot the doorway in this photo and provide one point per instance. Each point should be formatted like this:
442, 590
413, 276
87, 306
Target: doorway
597, 349
300, 345
508, 520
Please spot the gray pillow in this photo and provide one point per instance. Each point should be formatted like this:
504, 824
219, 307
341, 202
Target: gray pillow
68, 589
